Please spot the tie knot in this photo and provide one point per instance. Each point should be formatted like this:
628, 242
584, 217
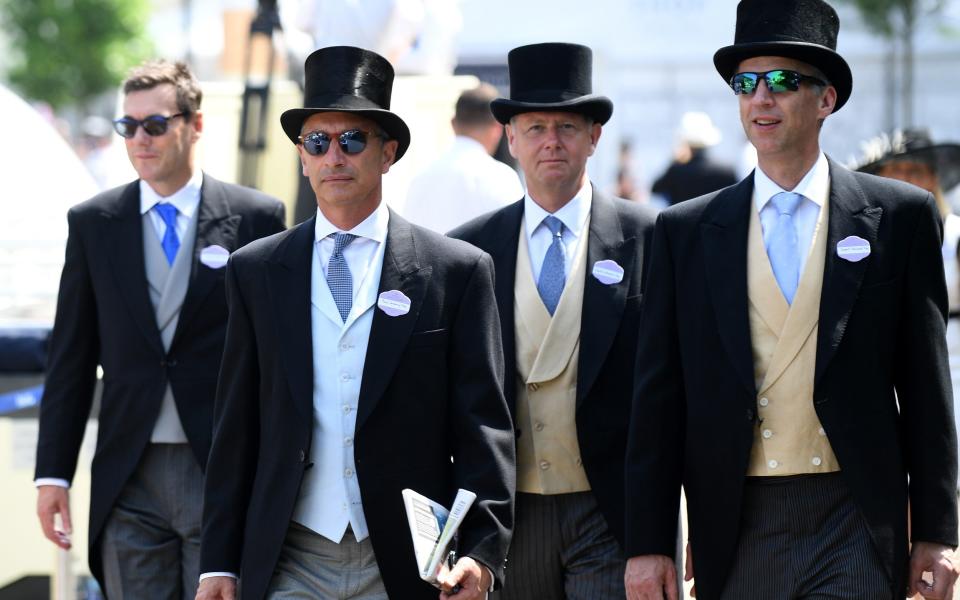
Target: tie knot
786, 202
554, 224
168, 213
342, 240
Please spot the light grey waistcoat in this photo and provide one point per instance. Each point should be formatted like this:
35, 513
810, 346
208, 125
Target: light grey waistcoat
168, 287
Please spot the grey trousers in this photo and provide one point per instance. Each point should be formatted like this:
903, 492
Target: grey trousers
803, 537
562, 548
151, 541
312, 567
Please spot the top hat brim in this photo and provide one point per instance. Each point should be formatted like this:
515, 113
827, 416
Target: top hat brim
728, 58
944, 157
395, 128
595, 106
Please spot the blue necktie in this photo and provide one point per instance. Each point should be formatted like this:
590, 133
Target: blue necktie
783, 249
170, 242
552, 277
339, 278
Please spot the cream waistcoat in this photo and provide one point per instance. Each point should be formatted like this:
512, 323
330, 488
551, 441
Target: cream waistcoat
548, 453
788, 439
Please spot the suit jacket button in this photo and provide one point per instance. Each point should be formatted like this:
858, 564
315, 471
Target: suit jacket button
303, 456
750, 414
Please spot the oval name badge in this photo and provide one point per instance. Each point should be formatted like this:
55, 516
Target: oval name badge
394, 302
607, 272
853, 248
214, 256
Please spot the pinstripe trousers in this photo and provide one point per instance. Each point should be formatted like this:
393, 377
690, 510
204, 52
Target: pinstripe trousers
562, 548
803, 537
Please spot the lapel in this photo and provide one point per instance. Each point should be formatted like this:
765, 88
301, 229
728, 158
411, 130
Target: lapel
124, 229
850, 214
289, 293
602, 304
215, 226
502, 233
724, 229
389, 335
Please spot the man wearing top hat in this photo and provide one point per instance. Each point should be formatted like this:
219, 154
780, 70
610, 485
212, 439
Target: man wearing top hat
792, 376
569, 264
362, 357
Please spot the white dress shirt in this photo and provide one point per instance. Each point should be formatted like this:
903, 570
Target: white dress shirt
573, 215
464, 183
815, 189
186, 199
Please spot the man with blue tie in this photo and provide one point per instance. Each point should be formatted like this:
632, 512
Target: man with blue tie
569, 264
363, 357
142, 296
792, 373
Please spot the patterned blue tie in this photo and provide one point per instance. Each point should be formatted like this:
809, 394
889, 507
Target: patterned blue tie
783, 248
170, 242
338, 275
552, 278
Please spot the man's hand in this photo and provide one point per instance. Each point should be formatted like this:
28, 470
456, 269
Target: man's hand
938, 560
474, 580
688, 570
217, 588
51, 501
651, 577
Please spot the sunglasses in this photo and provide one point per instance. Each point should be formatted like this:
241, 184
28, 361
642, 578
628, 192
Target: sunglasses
154, 125
352, 141
779, 80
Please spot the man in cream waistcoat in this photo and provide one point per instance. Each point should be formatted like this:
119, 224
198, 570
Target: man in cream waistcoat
793, 373
568, 262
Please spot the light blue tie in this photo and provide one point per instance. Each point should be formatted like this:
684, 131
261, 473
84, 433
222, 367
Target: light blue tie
339, 278
552, 277
783, 249
170, 242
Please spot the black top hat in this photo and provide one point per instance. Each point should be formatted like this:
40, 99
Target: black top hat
551, 77
914, 145
805, 30
352, 80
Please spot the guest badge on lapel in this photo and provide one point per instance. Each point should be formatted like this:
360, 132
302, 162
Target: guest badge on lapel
395, 303
853, 248
607, 272
214, 256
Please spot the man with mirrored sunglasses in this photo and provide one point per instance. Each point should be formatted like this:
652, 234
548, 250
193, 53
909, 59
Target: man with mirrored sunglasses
142, 296
363, 357
793, 374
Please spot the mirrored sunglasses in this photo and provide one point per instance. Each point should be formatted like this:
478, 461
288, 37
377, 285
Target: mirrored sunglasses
352, 141
153, 125
779, 80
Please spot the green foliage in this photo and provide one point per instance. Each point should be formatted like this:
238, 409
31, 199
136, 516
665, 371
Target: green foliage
888, 17
69, 51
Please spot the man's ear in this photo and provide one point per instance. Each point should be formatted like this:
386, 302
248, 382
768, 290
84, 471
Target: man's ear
390, 148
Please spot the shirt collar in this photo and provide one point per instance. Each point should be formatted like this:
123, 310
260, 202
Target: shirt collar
186, 199
465, 143
815, 185
374, 227
573, 214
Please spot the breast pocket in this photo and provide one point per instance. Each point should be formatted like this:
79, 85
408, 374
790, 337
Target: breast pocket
428, 339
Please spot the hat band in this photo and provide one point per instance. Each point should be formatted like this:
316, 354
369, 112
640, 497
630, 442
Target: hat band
548, 96
344, 101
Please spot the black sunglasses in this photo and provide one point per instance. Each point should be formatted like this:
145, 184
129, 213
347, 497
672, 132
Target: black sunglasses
778, 80
154, 125
352, 141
